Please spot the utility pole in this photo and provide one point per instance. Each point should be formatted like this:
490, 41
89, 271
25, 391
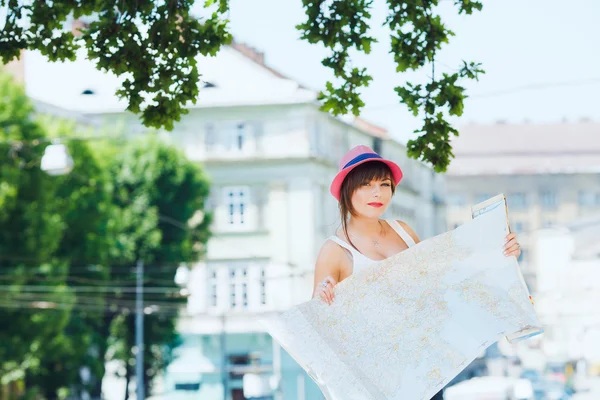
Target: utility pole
139, 330
224, 360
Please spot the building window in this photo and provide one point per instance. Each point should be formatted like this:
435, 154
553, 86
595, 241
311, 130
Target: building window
236, 201
237, 280
548, 199
480, 197
519, 227
238, 287
245, 294
588, 199
210, 136
263, 286
547, 223
517, 201
212, 287
232, 296
240, 137
245, 289
377, 145
455, 199
237, 136
228, 136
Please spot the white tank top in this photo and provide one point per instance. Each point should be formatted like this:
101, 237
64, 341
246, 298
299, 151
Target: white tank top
361, 261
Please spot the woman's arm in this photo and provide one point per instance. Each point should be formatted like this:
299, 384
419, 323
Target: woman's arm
327, 271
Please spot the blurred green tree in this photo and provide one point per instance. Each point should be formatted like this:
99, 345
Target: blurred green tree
154, 46
31, 229
89, 241
68, 245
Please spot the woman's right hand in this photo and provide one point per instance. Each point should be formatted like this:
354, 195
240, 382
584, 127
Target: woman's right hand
324, 290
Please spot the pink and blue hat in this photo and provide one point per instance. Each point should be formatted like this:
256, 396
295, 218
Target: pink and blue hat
355, 157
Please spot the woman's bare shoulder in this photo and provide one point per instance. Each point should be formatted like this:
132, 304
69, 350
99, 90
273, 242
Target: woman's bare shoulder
409, 230
330, 261
330, 250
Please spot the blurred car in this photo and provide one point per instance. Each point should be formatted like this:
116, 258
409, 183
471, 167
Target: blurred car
490, 388
523, 390
556, 371
554, 390
537, 382
532, 375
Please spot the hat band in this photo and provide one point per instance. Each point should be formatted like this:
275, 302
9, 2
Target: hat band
360, 158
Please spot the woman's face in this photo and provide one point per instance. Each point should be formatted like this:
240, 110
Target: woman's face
371, 199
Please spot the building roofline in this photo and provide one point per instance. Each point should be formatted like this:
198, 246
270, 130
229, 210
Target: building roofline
258, 57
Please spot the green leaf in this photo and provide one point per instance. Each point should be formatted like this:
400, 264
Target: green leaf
155, 46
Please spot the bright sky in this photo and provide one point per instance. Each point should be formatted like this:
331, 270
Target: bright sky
542, 58
551, 45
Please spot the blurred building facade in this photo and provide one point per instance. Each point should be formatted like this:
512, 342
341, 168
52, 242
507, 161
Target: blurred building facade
549, 173
270, 154
567, 259
271, 166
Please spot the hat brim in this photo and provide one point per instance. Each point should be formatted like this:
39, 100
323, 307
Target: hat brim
336, 184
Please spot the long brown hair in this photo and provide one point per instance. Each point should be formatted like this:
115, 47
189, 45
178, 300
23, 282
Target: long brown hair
363, 173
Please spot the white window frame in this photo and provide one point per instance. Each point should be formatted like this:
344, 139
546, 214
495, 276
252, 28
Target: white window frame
213, 287
517, 200
548, 223
214, 294
588, 198
480, 197
237, 202
548, 199
238, 287
210, 136
238, 136
456, 199
263, 286
520, 226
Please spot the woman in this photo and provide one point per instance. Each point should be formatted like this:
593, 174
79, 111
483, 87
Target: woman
364, 187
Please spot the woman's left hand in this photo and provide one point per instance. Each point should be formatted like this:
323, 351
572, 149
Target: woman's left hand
512, 247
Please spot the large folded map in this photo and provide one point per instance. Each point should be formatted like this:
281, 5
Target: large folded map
404, 327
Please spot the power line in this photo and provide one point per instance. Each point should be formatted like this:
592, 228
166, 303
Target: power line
514, 90
107, 285
86, 289
6, 277
537, 86
95, 300
73, 268
77, 279
45, 305
102, 295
